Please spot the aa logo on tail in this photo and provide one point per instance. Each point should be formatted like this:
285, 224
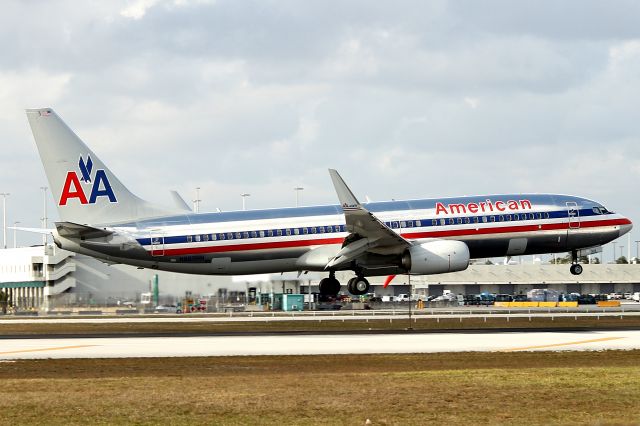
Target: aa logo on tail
98, 186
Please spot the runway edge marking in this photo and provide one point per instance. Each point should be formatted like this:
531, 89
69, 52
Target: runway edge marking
554, 345
46, 349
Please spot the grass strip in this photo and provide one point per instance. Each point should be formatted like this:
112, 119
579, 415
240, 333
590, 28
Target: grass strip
454, 388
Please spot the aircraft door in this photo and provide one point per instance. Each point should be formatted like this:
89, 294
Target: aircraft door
574, 215
157, 243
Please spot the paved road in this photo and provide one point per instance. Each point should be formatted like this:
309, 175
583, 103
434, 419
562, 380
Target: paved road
133, 347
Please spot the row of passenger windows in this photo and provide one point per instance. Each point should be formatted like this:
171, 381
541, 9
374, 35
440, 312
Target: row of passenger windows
489, 219
268, 233
342, 228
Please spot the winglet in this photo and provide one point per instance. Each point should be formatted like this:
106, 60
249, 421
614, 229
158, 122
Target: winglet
348, 201
388, 280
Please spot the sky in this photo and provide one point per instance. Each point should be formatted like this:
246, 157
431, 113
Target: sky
407, 99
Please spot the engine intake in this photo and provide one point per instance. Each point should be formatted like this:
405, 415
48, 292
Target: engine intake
436, 257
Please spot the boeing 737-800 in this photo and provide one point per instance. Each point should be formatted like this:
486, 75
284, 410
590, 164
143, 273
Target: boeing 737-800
99, 217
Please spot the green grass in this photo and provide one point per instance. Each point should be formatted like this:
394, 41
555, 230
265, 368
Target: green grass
453, 389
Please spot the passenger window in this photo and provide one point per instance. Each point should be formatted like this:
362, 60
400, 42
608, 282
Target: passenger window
197, 238
205, 237
546, 215
245, 235
238, 235
443, 222
507, 217
434, 222
261, 233
321, 229
409, 224
229, 235
403, 224
296, 231
484, 219
459, 220
329, 228
214, 237
269, 233
279, 232
313, 229
253, 234
418, 223
222, 236
395, 225
475, 219
189, 238
539, 215
516, 216
531, 216
305, 231
501, 218
466, 220
492, 218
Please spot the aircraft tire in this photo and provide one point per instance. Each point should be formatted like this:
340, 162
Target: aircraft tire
576, 269
358, 286
329, 286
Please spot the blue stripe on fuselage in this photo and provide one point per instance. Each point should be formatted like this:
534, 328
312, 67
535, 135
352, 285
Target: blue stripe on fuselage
375, 207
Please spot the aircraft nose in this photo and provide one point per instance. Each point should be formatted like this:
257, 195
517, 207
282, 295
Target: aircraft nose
626, 227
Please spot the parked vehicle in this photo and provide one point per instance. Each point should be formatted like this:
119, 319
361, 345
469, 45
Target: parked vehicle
402, 298
520, 298
636, 296
166, 309
586, 299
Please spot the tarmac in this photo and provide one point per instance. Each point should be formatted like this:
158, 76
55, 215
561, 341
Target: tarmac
258, 345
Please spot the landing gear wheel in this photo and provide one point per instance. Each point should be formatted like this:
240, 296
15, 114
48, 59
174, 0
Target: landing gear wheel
329, 286
576, 269
358, 286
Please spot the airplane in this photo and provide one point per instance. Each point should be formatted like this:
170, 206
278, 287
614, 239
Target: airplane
100, 217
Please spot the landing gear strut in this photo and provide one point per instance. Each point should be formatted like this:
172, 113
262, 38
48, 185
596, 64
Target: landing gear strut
329, 286
576, 268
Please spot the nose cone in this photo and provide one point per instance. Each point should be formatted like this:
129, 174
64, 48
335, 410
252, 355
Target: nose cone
625, 227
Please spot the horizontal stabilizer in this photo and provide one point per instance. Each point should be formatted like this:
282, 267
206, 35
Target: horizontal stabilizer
33, 230
75, 230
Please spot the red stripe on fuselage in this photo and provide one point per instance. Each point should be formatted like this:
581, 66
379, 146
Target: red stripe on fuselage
408, 235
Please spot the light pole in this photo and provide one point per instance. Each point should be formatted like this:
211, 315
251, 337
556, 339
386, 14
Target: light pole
196, 202
298, 189
244, 196
4, 217
44, 216
15, 244
621, 249
637, 248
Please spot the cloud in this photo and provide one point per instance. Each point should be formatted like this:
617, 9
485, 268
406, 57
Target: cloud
428, 99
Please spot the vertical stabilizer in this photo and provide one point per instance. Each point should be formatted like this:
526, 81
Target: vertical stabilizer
84, 189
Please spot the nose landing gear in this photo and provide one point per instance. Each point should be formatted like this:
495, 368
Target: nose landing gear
576, 268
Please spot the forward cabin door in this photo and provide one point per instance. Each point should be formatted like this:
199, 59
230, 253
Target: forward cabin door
573, 236
157, 243
574, 215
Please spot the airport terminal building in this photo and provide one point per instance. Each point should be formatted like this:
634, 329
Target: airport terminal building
44, 278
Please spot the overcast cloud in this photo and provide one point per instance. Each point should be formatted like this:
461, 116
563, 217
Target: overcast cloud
406, 99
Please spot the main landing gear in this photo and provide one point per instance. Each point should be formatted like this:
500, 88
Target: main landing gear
576, 268
330, 286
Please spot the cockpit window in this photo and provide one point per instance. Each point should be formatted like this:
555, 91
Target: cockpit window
601, 210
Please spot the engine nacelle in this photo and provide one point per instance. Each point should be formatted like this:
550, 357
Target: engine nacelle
436, 257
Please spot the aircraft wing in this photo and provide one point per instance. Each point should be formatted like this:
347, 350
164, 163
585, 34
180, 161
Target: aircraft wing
367, 232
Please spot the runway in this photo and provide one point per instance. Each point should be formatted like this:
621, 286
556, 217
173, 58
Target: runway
134, 347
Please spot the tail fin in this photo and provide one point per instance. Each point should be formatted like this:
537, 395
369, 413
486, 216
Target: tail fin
84, 189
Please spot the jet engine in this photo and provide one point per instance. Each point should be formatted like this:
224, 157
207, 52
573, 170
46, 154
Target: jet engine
436, 257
